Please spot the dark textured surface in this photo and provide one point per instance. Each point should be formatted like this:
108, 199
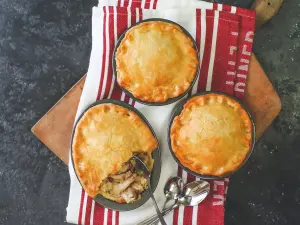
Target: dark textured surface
267, 190
44, 49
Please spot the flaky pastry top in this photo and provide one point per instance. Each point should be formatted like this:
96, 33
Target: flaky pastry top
156, 61
212, 135
106, 137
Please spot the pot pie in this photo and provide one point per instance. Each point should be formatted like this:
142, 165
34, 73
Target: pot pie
105, 139
156, 61
212, 135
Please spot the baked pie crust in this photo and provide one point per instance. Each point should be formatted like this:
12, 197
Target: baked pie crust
156, 61
212, 135
105, 138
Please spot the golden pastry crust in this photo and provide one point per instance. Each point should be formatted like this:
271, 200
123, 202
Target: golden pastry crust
105, 138
212, 135
156, 61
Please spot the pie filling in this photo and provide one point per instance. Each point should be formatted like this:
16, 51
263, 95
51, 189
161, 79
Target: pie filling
105, 139
127, 185
212, 135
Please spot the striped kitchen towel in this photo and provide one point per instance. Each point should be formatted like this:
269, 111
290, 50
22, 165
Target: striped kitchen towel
224, 36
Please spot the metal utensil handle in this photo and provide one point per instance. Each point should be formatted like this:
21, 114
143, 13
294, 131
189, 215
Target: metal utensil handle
160, 216
155, 218
163, 208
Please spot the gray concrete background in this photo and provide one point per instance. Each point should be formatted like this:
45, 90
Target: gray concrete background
44, 50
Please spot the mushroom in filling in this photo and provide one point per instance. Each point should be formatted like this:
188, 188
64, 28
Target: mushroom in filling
127, 185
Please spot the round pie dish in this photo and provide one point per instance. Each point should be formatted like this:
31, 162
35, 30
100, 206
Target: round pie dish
156, 62
91, 173
211, 135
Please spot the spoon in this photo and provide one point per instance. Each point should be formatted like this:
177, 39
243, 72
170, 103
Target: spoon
141, 168
172, 189
192, 194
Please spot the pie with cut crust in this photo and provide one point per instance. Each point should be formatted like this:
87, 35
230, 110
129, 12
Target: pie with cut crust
156, 61
212, 135
105, 138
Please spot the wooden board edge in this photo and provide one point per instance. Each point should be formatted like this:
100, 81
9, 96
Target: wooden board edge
70, 90
265, 10
274, 100
276, 96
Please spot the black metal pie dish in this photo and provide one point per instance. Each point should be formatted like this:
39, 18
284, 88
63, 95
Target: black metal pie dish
177, 111
156, 155
170, 100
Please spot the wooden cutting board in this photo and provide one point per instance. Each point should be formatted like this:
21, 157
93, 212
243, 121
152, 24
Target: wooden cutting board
54, 129
265, 10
